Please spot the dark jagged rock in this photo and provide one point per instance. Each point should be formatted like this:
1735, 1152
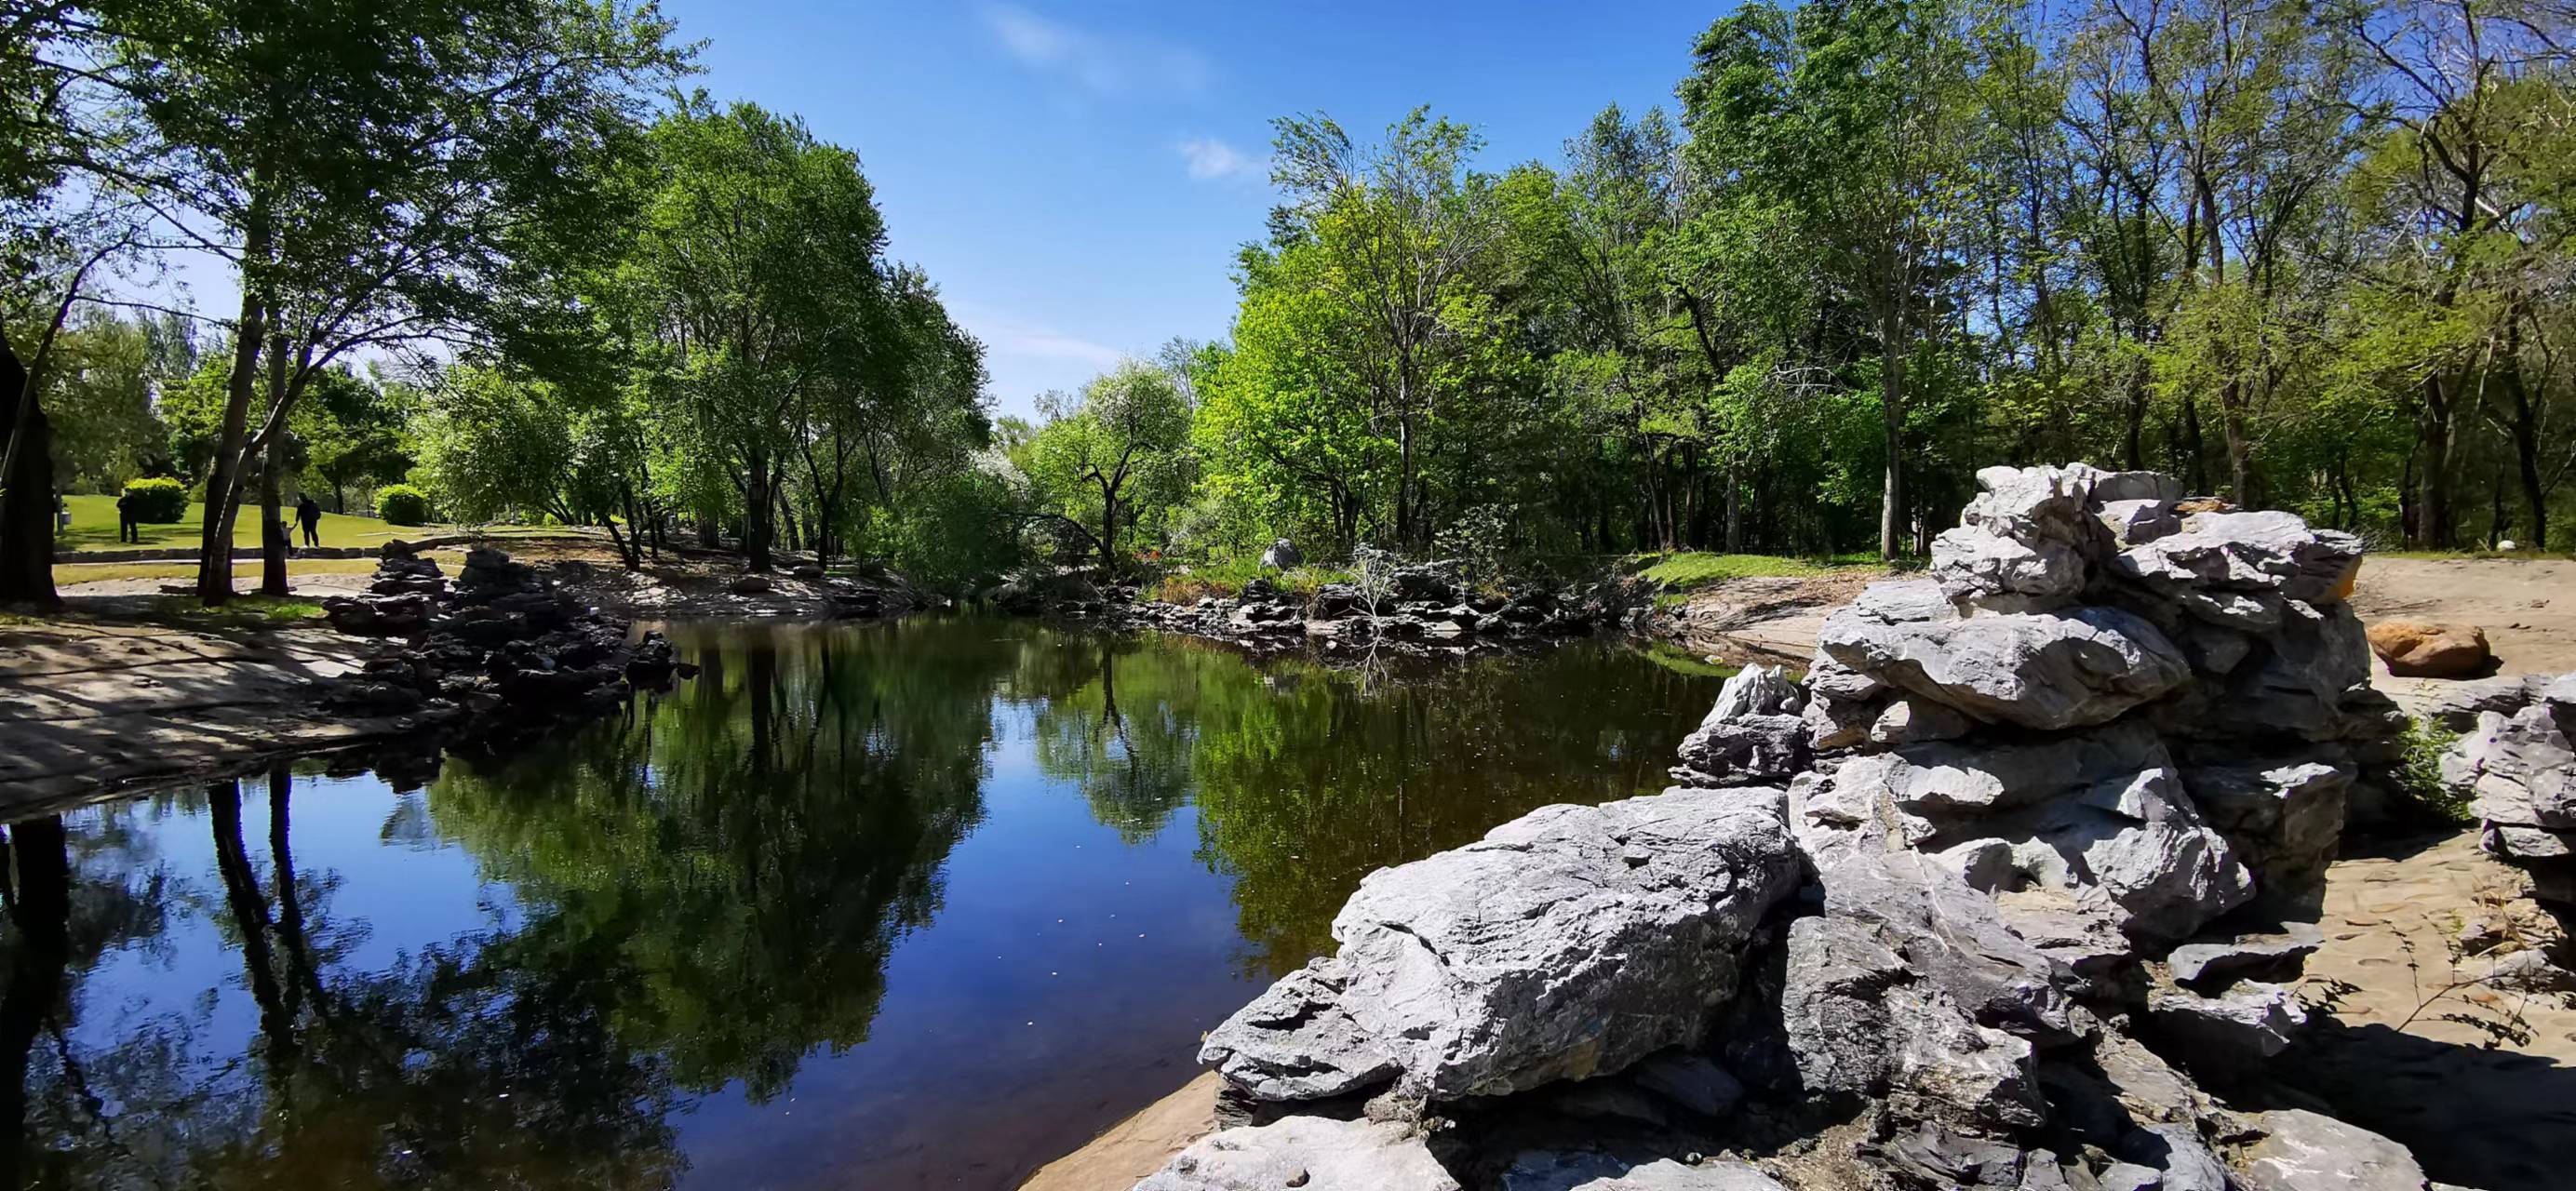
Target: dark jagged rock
501, 657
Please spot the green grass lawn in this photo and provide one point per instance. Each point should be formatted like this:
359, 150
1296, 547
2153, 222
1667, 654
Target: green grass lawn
94, 528
245, 568
1689, 570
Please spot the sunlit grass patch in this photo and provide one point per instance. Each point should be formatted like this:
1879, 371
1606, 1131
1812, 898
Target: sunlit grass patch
1692, 569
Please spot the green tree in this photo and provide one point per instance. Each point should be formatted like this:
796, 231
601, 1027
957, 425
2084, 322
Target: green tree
1113, 461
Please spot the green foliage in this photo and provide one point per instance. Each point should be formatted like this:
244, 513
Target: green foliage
158, 500
402, 504
1110, 466
1225, 577
2419, 775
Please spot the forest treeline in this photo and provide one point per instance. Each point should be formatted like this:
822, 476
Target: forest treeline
2310, 256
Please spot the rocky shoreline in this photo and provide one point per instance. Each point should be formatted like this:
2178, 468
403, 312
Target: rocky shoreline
1420, 608
1993, 898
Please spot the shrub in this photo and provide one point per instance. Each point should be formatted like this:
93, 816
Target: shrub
402, 504
2419, 776
159, 500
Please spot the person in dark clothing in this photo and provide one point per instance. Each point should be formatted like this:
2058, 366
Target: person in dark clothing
308, 513
129, 527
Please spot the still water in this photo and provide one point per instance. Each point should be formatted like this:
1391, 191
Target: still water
912, 905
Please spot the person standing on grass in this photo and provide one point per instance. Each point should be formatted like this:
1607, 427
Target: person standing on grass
308, 513
129, 526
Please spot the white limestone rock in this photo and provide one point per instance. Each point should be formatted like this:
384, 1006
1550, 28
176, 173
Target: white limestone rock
1571, 942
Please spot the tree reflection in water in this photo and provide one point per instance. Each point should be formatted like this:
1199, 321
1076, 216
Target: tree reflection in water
702, 899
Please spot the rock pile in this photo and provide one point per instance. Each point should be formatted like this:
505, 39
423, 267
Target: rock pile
2516, 764
502, 654
1422, 604
1896, 924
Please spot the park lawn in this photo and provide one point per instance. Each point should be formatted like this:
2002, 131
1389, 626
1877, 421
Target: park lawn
1689, 570
244, 569
94, 528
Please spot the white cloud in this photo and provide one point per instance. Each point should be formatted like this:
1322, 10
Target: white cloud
1099, 63
1031, 341
1210, 159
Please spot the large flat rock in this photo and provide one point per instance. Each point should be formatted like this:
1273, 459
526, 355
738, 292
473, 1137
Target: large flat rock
1568, 943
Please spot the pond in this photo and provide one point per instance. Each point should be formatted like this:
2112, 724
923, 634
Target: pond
920, 904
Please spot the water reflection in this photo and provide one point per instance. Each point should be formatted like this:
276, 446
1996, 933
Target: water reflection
895, 906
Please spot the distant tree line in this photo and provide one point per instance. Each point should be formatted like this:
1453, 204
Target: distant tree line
2310, 256
2307, 256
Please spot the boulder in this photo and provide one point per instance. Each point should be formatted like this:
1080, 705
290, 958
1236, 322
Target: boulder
2420, 649
1752, 734
2216, 961
2519, 769
1570, 942
749, 585
1282, 555
1990, 570
1911, 720
2051, 671
2306, 1151
2456, 705
2137, 522
2259, 552
2024, 544
1317, 1153
1591, 1170
2235, 1029
1863, 1022
2283, 817
2100, 816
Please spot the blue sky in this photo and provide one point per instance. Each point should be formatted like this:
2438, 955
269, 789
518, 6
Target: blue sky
1077, 177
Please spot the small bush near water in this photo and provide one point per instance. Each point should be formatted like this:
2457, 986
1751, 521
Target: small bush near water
158, 500
402, 504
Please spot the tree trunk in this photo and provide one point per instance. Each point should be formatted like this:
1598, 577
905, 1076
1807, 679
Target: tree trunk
2435, 440
1735, 507
755, 518
40, 905
2526, 440
215, 542
273, 538
2195, 449
2133, 451
1891, 510
1109, 536
26, 498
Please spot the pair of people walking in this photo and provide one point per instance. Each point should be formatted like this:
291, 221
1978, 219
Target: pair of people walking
129, 520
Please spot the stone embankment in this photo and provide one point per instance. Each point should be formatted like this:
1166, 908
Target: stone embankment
2025, 860
1418, 607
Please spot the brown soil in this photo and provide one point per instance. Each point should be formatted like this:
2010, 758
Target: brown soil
1772, 620
1135, 1147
